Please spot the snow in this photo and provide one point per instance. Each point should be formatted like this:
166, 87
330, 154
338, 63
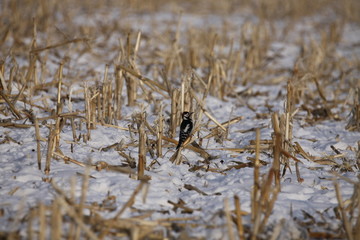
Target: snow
21, 181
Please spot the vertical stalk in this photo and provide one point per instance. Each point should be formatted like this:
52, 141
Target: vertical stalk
239, 223
142, 146
119, 83
37, 135
228, 219
42, 222
56, 220
345, 220
256, 189
50, 150
174, 112
160, 128
58, 108
277, 149
87, 113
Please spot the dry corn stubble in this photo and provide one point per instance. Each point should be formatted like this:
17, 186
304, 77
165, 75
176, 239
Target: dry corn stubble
223, 67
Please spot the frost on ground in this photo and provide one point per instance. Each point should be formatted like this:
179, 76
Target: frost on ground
240, 66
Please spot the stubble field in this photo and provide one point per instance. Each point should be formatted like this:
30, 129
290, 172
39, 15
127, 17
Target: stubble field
91, 99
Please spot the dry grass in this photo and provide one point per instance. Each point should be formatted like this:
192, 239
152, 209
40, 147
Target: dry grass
36, 33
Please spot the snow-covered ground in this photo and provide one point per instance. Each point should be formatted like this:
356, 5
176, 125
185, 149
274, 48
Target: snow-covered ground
22, 184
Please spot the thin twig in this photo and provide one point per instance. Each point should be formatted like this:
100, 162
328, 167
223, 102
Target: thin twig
37, 50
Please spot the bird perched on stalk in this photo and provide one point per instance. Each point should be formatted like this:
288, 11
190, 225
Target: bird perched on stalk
185, 128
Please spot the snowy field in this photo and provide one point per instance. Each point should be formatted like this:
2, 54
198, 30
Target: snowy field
241, 63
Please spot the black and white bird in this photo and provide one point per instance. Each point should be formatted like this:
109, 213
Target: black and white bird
185, 128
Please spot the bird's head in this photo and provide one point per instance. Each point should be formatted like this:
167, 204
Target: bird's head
186, 115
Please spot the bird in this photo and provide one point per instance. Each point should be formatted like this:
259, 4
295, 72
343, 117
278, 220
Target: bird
186, 127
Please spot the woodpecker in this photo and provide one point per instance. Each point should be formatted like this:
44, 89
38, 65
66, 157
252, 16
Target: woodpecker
185, 128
